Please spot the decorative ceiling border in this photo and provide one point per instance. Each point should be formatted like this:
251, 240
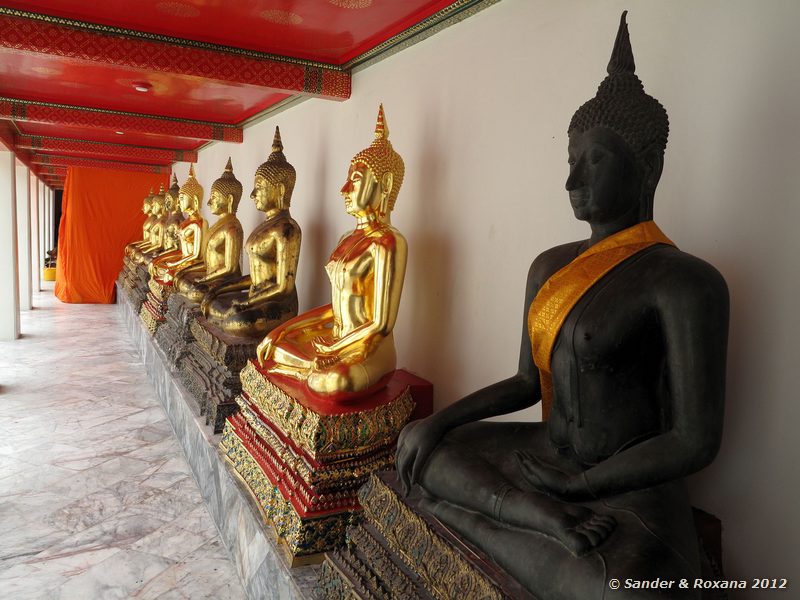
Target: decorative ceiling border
65, 114
156, 37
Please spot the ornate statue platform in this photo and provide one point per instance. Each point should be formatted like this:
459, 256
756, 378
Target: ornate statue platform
154, 309
398, 551
174, 335
304, 458
134, 281
211, 369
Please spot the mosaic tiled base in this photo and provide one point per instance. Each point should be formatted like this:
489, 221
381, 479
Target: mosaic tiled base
211, 369
174, 335
400, 552
135, 280
254, 546
154, 309
303, 466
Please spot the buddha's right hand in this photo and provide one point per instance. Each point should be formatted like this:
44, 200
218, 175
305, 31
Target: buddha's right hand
263, 350
414, 446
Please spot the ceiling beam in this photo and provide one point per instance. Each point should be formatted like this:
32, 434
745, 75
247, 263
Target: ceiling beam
78, 116
74, 161
52, 170
41, 34
113, 151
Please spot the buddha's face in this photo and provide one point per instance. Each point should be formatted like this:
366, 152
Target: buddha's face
146, 208
157, 208
219, 203
266, 194
362, 192
604, 182
184, 201
169, 204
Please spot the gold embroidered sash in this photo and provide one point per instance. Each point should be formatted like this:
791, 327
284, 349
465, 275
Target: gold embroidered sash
559, 294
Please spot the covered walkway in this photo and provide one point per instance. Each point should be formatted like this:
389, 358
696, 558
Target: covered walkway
96, 499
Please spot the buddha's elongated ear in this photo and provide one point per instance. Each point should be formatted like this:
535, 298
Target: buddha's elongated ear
282, 191
387, 181
653, 163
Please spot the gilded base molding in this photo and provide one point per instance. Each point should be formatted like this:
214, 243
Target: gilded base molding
174, 335
322, 435
399, 551
302, 536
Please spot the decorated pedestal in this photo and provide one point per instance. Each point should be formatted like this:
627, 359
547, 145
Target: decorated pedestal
174, 335
211, 369
154, 309
401, 551
398, 551
135, 281
303, 458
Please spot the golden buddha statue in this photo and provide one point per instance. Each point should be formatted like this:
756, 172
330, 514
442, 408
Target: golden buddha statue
144, 254
223, 245
254, 304
191, 234
172, 228
148, 222
346, 348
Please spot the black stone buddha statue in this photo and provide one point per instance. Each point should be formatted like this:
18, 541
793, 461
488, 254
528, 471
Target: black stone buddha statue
624, 342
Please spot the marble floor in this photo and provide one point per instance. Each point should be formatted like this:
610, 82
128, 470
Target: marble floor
96, 499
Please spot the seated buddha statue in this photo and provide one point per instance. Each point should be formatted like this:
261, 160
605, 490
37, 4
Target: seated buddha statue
148, 222
174, 216
254, 304
222, 254
346, 348
191, 233
145, 253
624, 341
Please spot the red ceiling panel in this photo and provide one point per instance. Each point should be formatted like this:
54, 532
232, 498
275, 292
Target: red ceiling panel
205, 66
48, 78
330, 31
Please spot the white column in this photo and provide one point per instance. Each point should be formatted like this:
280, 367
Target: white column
48, 216
23, 178
9, 295
36, 258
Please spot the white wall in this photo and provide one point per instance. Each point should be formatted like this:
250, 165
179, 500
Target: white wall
479, 112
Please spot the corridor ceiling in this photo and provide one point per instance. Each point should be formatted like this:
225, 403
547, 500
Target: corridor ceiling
141, 84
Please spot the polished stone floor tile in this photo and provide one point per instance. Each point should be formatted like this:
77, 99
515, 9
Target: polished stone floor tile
96, 498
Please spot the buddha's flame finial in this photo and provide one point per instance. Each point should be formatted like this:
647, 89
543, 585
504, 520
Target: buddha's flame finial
381, 127
229, 166
277, 144
161, 189
622, 55
191, 170
151, 191
173, 181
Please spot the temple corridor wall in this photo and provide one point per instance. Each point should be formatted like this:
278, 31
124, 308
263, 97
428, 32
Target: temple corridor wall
480, 111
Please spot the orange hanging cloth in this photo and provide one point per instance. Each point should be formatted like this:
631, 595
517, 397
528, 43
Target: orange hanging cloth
101, 213
559, 294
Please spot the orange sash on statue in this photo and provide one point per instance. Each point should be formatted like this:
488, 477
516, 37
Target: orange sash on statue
559, 294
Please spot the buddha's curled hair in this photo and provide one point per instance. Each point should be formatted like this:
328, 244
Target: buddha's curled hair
622, 105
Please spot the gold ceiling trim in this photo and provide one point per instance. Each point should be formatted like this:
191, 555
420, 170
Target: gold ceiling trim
455, 13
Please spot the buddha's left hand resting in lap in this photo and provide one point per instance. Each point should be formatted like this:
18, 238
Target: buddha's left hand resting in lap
624, 340
346, 347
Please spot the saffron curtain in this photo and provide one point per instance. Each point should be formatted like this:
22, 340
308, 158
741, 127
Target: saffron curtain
101, 214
